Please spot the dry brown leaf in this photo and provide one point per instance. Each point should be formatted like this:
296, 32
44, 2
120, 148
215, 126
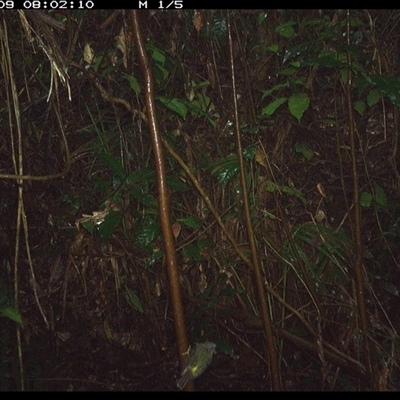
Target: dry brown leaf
121, 44
198, 20
88, 53
260, 157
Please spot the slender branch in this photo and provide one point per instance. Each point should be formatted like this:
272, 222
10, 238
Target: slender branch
163, 196
265, 311
358, 261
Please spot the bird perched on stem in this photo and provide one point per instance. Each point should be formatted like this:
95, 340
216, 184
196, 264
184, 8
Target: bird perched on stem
199, 359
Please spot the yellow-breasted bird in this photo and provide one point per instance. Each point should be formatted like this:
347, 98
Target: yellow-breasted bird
199, 359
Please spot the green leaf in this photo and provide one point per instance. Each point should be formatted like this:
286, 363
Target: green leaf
191, 222
156, 54
366, 199
380, 196
361, 84
192, 252
271, 187
298, 104
289, 71
272, 107
10, 313
261, 17
107, 227
164, 72
226, 168
142, 175
133, 300
294, 192
274, 48
344, 75
329, 60
388, 85
266, 93
304, 150
88, 225
148, 230
390, 288
143, 195
373, 97
298, 50
250, 151
74, 202
360, 106
204, 102
174, 183
112, 163
133, 83
175, 105
286, 30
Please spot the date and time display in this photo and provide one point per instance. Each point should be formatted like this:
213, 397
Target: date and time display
84, 4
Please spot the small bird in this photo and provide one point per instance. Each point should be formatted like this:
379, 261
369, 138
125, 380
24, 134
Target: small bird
199, 359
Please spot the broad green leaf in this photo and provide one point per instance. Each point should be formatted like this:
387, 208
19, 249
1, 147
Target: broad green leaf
197, 111
266, 93
10, 313
366, 199
133, 300
274, 48
175, 105
74, 202
294, 192
344, 75
164, 72
112, 163
388, 85
156, 54
272, 107
142, 175
361, 84
192, 252
149, 229
289, 71
107, 227
226, 169
88, 225
286, 30
250, 151
327, 60
143, 195
304, 150
373, 97
191, 222
133, 83
204, 102
380, 196
271, 186
298, 50
174, 183
261, 17
298, 104
360, 106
